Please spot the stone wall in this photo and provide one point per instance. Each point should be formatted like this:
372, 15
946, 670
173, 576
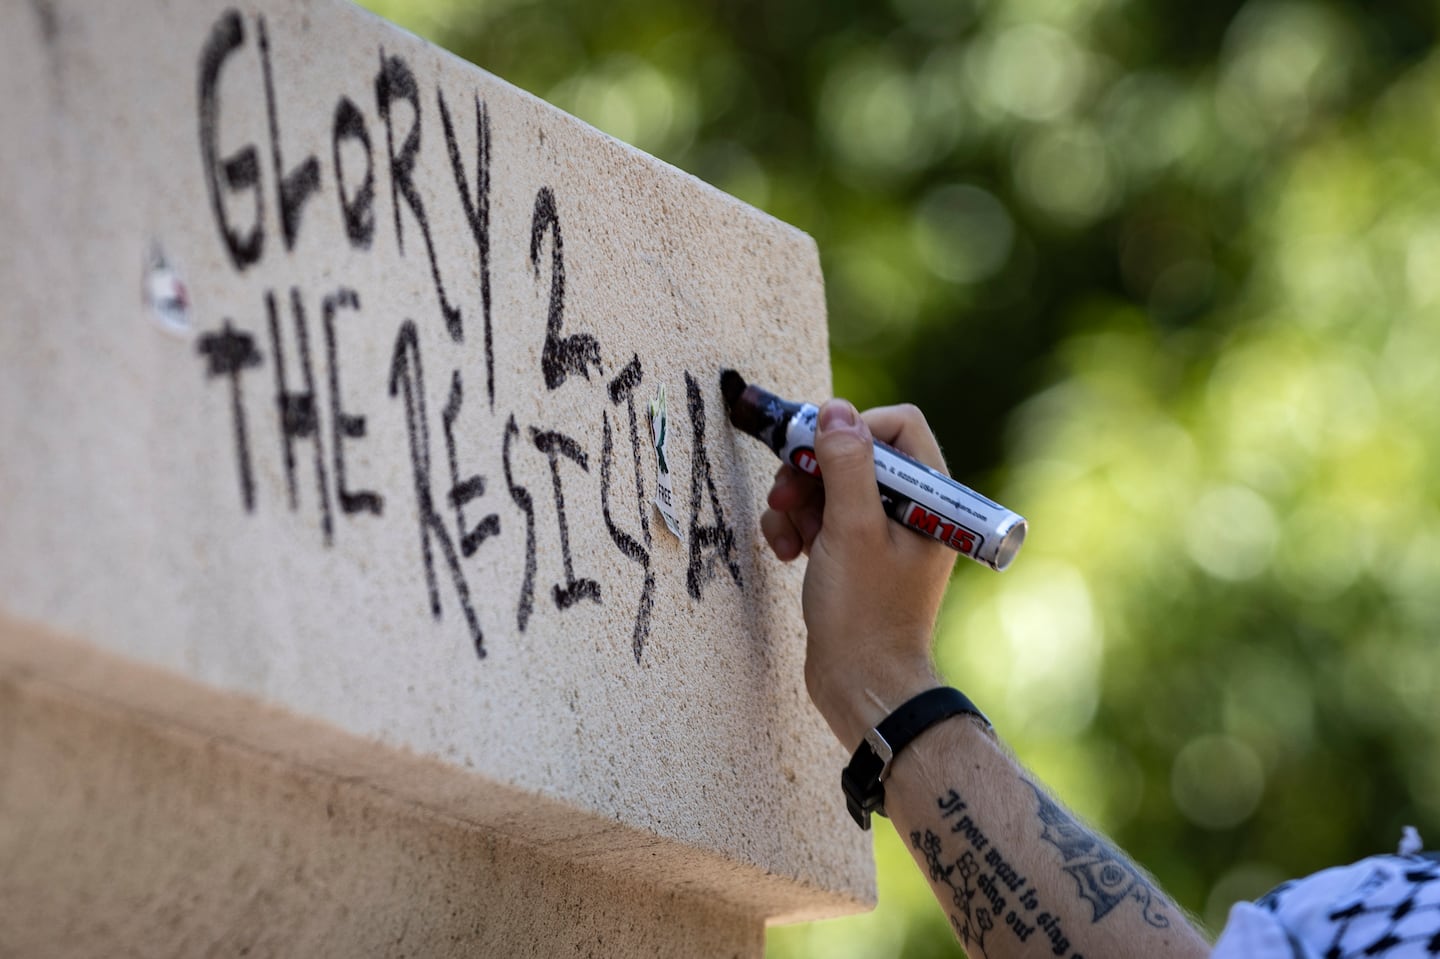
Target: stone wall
326, 369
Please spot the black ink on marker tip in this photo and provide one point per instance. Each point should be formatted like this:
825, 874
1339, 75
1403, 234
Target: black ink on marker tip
913, 494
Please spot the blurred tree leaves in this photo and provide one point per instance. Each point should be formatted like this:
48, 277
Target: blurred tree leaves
1166, 278
1232, 586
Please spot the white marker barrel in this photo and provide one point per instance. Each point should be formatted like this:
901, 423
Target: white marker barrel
921, 498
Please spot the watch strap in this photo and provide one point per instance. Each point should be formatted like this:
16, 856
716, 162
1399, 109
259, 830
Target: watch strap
863, 780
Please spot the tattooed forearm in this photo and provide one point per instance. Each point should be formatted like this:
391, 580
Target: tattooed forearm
1104, 877
988, 891
992, 897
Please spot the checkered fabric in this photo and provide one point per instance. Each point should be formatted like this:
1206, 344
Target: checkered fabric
1386, 907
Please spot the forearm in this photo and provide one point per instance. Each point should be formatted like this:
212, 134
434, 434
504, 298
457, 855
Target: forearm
1017, 874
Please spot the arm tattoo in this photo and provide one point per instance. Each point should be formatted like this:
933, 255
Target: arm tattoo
972, 921
1104, 877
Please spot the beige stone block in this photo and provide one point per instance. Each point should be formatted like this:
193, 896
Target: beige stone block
129, 831
325, 363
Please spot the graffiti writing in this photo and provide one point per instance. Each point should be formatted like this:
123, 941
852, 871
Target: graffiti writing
469, 493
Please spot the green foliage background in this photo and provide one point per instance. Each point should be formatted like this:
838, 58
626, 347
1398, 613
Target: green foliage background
1166, 279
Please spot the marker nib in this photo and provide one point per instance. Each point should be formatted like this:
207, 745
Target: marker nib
732, 384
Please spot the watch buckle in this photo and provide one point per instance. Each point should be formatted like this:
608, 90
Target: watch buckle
882, 751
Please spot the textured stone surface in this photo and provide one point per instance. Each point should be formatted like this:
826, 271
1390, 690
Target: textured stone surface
126, 832
265, 484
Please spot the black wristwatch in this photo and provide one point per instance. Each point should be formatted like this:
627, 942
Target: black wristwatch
863, 781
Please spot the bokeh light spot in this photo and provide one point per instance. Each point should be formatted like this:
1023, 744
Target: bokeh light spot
1049, 623
962, 232
1031, 71
1217, 781
868, 114
1231, 532
1066, 172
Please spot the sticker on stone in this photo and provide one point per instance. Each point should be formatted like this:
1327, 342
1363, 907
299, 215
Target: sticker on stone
164, 293
660, 438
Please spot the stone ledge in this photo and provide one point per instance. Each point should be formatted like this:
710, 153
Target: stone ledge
124, 788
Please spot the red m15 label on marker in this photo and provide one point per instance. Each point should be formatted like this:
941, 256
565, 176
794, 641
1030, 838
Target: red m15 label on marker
947, 531
803, 459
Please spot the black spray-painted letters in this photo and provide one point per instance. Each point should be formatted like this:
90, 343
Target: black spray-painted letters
324, 412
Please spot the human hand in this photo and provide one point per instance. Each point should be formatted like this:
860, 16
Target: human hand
872, 588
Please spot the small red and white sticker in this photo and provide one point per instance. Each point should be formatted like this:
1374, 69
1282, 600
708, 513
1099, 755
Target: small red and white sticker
164, 293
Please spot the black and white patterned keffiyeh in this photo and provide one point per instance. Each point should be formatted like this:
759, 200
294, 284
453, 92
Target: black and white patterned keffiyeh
1387, 907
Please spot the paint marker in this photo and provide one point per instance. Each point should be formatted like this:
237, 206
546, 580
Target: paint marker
912, 493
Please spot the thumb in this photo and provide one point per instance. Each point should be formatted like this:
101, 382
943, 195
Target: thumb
846, 453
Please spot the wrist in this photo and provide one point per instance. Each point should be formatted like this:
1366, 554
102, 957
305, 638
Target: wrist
853, 701
864, 778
